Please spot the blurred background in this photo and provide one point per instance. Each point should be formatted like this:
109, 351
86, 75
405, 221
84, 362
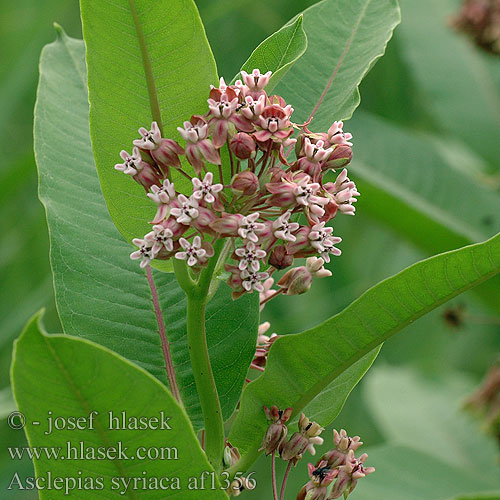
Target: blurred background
430, 121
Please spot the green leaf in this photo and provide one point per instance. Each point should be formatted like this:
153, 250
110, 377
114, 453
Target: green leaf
399, 168
101, 294
67, 377
428, 415
6, 402
278, 52
345, 38
463, 91
405, 473
404, 177
146, 61
315, 358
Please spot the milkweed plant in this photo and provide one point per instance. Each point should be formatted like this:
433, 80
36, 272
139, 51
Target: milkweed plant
228, 194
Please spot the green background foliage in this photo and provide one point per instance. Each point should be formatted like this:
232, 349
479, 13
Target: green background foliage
426, 161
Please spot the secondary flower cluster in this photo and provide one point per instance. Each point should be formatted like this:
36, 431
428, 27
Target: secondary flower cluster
244, 189
338, 464
480, 19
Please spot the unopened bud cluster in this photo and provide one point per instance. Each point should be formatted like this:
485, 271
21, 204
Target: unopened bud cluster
480, 19
245, 189
339, 464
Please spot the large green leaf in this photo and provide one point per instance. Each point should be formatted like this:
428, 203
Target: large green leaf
315, 358
428, 415
101, 294
345, 38
68, 377
460, 83
406, 179
278, 52
145, 60
408, 184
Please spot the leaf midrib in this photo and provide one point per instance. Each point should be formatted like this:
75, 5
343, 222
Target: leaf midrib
147, 66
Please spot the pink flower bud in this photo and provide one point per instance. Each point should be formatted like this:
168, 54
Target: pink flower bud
243, 146
245, 183
227, 225
341, 156
297, 445
279, 258
296, 281
167, 154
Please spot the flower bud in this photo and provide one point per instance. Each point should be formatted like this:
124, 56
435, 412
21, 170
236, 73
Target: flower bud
245, 183
243, 146
231, 454
296, 446
279, 258
296, 281
277, 431
340, 157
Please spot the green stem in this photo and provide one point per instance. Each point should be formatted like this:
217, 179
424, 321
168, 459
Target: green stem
200, 362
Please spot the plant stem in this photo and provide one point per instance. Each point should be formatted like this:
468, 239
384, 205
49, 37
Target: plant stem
169, 365
273, 470
204, 378
200, 362
283, 486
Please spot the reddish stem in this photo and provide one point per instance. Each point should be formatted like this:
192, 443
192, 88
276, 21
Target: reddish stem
169, 365
273, 470
257, 367
283, 486
281, 290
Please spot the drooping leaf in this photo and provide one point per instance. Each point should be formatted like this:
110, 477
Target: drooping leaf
462, 92
68, 377
345, 38
428, 415
315, 358
101, 294
401, 168
146, 61
407, 184
278, 52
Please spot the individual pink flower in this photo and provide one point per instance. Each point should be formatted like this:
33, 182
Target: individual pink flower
314, 155
343, 443
256, 81
163, 197
187, 210
321, 477
198, 147
192, 252
145, 252
305, 439
165, 151
336, 134
223, 108
205, 190
141, 171
206, 217
274, 123
249, 228
161, 237
323, 241
250, 256
283, 228
343, 192
253, 107
253, 281
349, 474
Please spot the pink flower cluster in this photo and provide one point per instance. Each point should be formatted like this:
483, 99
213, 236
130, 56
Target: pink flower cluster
271, 209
